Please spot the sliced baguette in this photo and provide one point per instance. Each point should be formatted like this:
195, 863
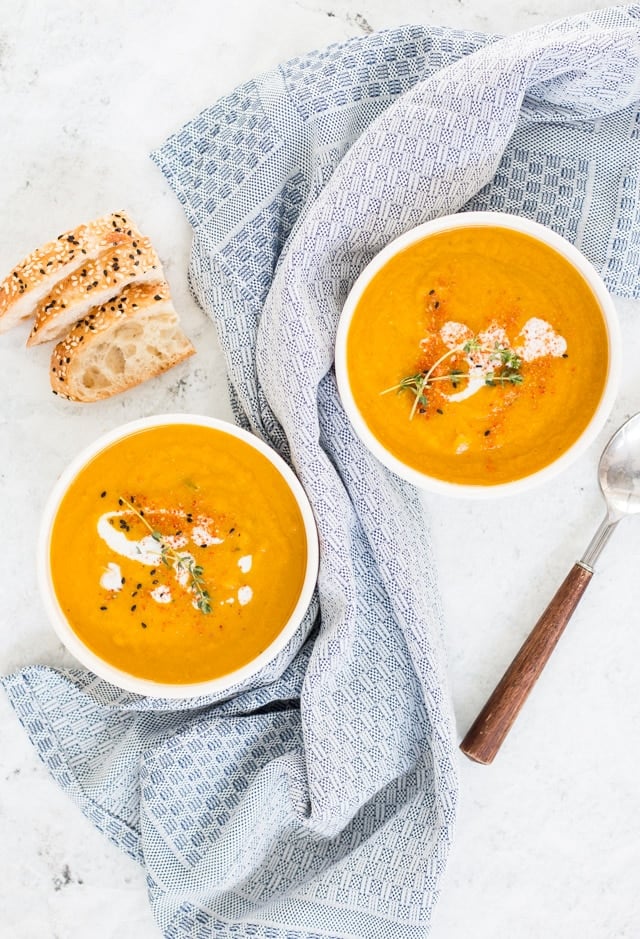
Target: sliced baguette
31, 280
133, 337
93, 284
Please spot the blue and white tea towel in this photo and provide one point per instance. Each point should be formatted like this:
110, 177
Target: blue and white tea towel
319, 800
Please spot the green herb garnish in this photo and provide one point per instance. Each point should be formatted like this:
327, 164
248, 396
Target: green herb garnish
507, 372
180, 562
509, 364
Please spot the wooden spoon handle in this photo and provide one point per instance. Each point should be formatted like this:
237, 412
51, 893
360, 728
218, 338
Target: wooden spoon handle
485, 736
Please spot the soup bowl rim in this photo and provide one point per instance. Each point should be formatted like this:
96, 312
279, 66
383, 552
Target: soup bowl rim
599, 417
102, 667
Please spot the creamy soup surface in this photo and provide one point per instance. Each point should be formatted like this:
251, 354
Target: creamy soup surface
477, 355
178, 554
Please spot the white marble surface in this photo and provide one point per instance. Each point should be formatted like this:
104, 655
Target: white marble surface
548, 840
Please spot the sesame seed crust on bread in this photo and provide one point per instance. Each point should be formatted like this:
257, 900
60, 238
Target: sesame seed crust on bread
92, 284
35, 276
131, 338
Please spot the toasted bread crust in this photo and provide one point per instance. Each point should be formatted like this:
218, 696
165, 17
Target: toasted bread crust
35, 275
93, 283
145, 305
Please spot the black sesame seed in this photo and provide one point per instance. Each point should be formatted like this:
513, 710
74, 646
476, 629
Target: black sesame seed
144, 625
103, 494
152, 571
431, 292
103, 608
487, 432
138, 586
133, 608
439, 411
565, 355
157, 297
123, 581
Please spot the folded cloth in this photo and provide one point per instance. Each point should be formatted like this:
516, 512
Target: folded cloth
319, 799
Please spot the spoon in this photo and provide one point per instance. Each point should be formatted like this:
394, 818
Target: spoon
619, 478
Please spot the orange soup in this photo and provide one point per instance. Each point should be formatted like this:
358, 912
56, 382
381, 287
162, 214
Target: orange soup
477, 355
178, 554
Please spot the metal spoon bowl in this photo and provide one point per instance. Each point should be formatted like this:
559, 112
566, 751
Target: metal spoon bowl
619, 478
619, 470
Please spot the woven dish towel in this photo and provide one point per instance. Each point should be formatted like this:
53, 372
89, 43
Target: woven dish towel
319, 799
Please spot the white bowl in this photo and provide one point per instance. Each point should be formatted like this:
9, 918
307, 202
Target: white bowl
562, 247
123, 679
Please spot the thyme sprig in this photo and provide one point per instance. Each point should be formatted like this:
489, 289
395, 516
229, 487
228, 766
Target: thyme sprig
509, 363
507, 372
180, 562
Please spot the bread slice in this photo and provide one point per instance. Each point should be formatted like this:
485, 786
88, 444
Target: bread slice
94, 283
133, 337
31, 280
